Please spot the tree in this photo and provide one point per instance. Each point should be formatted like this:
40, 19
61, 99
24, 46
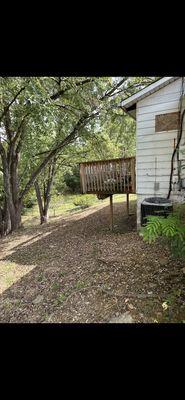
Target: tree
39, 118
72, 179
44, 195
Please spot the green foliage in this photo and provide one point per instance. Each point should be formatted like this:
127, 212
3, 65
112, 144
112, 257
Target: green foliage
152, 230
62, 297
80, 285
30, 199
49, 121
180, 212
55, 286
72, 180
83, 200
171, 228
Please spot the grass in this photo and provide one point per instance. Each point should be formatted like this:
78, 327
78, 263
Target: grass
62, 297
79, 285
9, 273
40, 278
55, 286
67, 204
61, 274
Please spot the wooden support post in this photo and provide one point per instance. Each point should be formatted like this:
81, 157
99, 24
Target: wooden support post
82, 178
111, 213
128, 204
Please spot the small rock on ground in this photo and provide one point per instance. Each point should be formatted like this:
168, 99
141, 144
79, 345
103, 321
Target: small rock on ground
38, 299
122, 319
163, 261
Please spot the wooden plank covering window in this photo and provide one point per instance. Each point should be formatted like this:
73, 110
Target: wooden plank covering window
167, 122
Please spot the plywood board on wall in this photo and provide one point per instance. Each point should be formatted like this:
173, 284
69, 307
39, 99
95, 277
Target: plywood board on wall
167, 122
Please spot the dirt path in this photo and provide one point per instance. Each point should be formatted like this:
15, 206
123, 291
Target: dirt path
76, 270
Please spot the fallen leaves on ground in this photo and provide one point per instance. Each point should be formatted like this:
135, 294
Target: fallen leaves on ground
75, 270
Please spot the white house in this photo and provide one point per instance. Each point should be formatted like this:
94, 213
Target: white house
158, 111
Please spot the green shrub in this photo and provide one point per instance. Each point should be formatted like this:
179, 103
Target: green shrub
72, 180
83, 201
171, 228
30, 200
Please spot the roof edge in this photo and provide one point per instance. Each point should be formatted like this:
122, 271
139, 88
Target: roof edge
141, 94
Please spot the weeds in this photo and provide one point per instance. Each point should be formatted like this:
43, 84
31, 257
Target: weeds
79, 285
55, 286
83, 201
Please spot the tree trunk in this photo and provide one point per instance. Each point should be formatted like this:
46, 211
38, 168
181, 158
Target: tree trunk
10, 218
1, 222
39, 201
10, 213
16, 217
43, 209
45, 216
44, 201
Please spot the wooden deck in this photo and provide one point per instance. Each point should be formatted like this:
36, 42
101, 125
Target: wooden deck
108, 177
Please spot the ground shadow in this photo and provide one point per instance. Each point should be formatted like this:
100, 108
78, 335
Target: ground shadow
76, 261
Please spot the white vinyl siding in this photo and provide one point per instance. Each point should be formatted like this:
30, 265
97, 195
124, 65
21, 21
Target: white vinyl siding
154, 149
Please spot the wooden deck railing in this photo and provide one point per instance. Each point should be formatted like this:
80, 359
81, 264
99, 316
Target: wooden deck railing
108, 176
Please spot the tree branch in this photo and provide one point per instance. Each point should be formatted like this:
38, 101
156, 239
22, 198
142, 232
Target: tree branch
91, 116
65, 107
19, 134
70, 138
111, 91
54, 152
12, 101
2, 150
135, 85
62, 91
7, 124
